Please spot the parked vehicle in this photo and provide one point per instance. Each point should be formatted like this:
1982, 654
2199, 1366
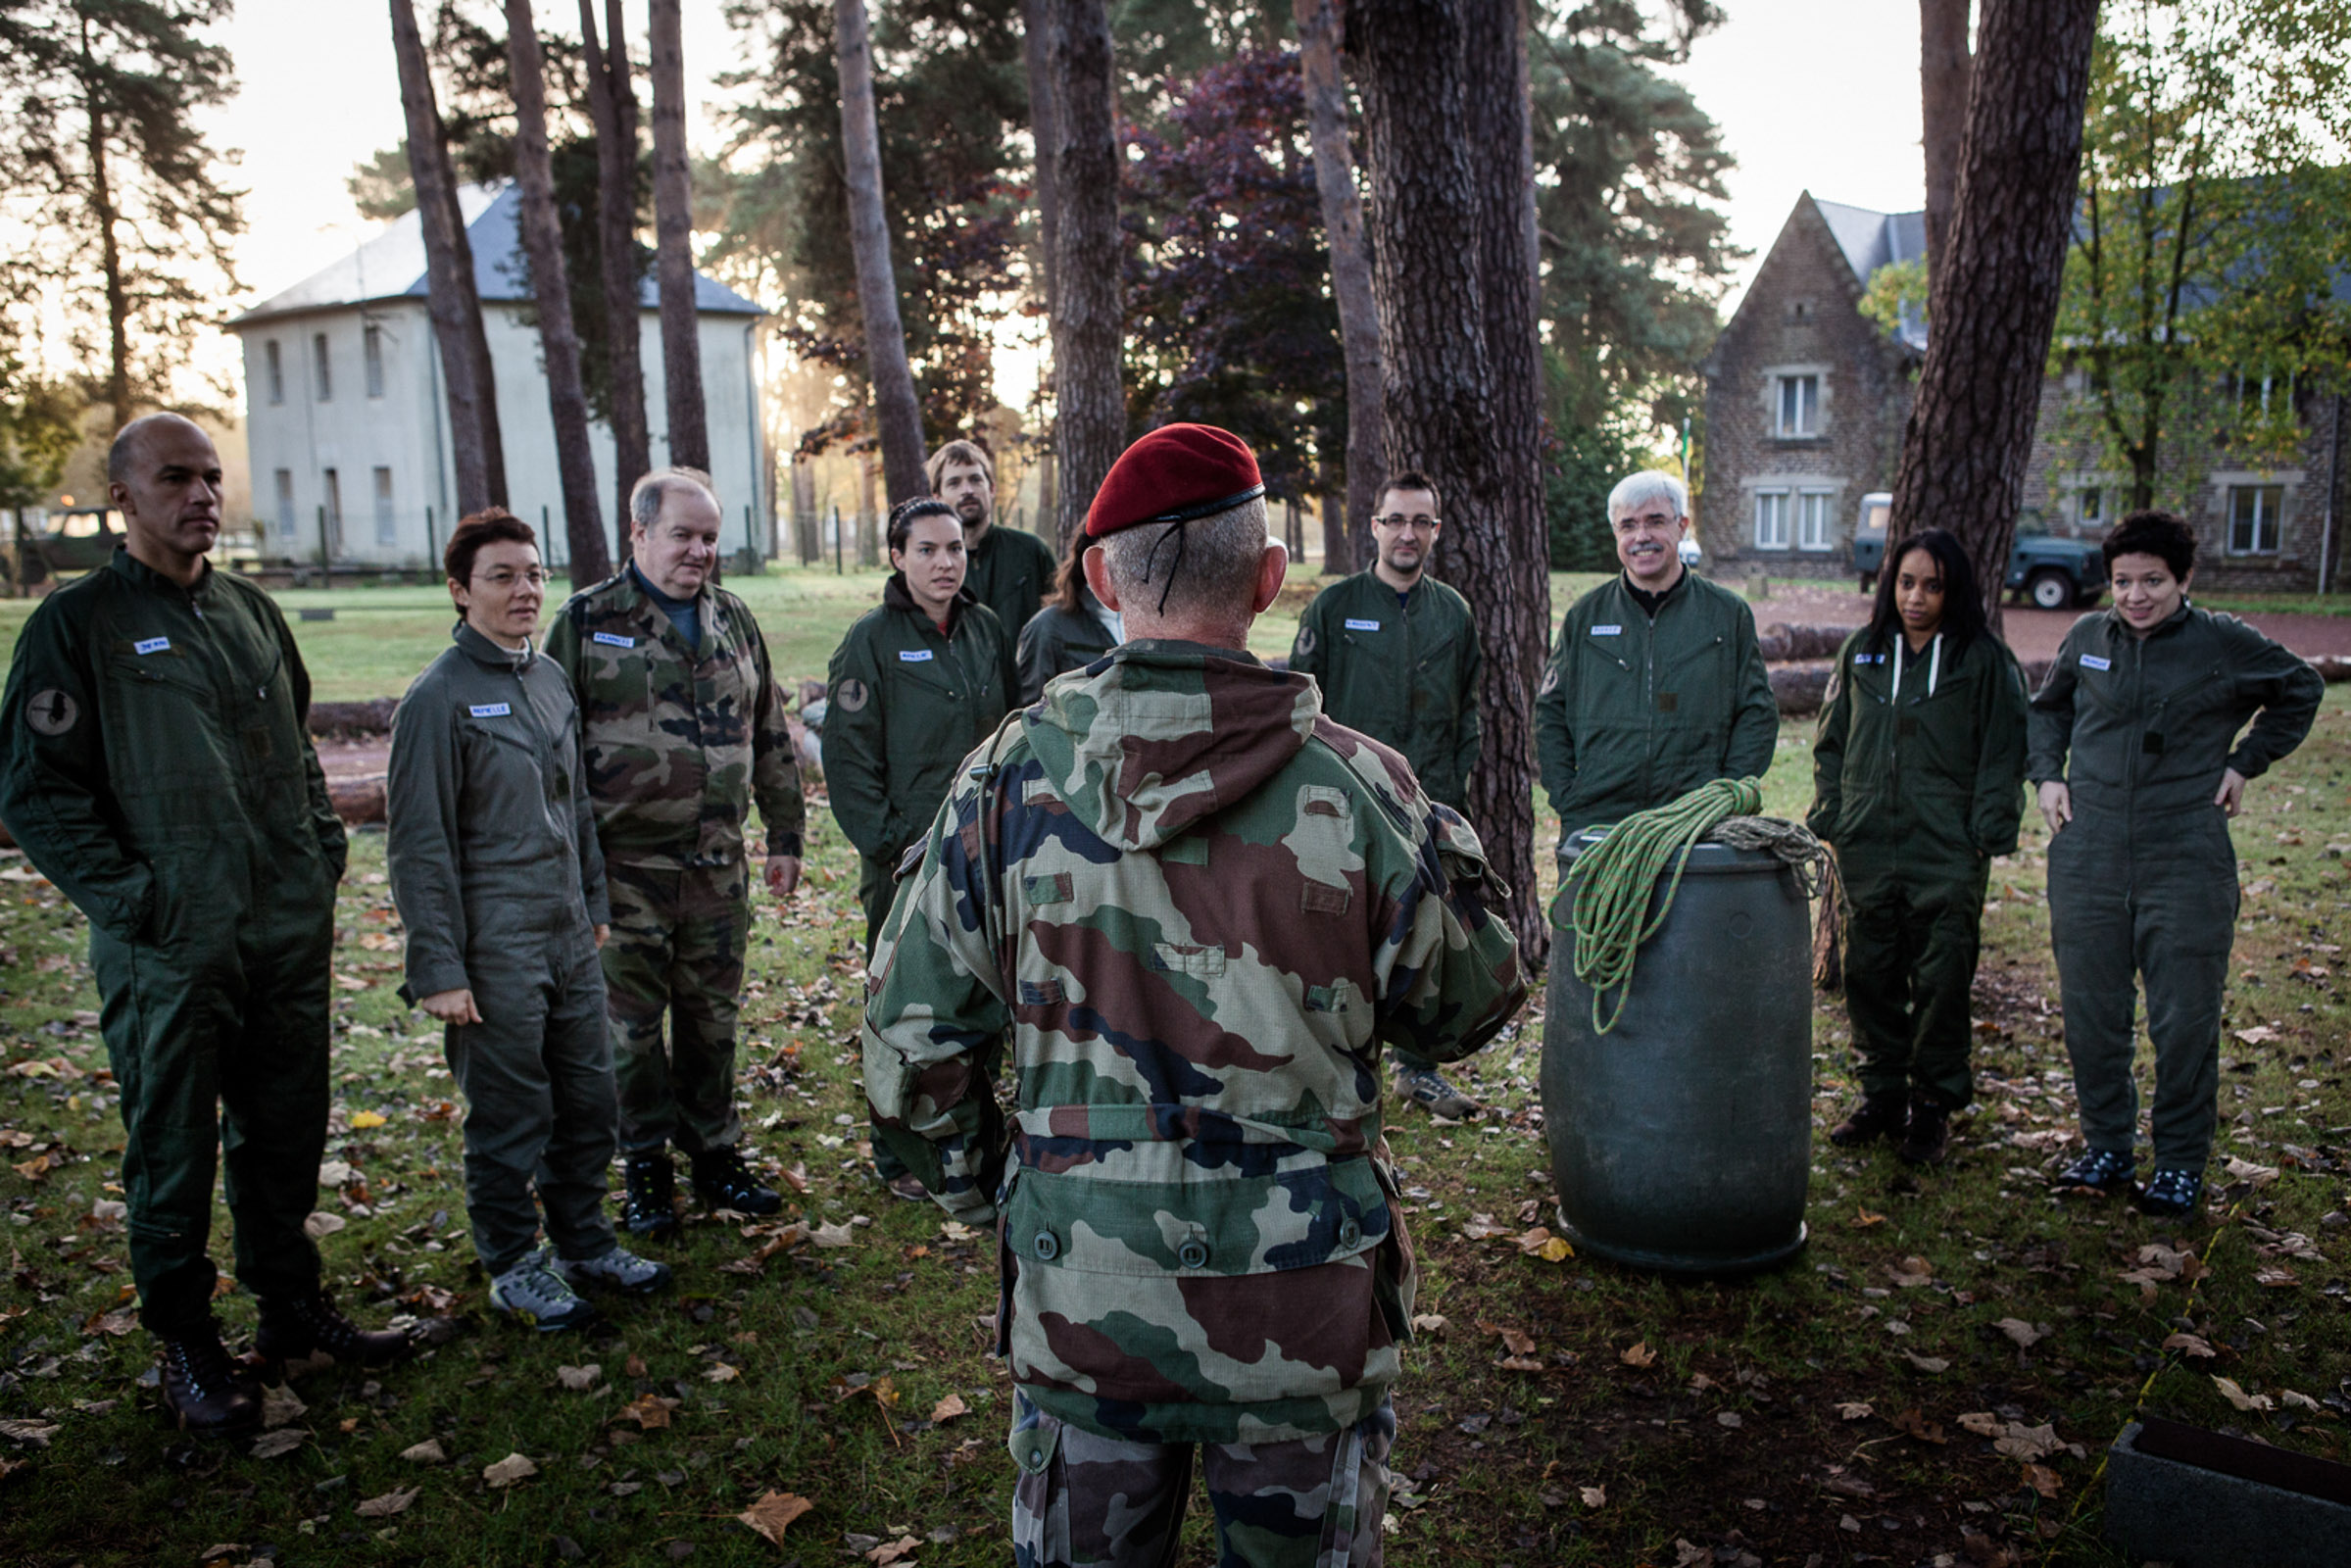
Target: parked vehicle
1869, 537
2045, 569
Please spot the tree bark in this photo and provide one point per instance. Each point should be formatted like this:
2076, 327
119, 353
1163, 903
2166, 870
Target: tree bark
104, 215
1944, 70
897, 413
1037, 52
1994, 299
869, 515
673, 245
1090, 403
450, 297
1435, 222
1321, 25
543, 241
612, 105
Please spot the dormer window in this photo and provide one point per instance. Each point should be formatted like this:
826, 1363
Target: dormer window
1799, 407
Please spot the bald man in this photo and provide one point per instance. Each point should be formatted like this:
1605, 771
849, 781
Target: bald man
155, 765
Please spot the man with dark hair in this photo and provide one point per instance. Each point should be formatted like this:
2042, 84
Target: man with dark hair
684, 729
1010, 570
1395, 654
1199, 907
155, 765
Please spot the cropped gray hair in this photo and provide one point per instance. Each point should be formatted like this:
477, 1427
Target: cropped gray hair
1637, 490
1212, 569
651, 493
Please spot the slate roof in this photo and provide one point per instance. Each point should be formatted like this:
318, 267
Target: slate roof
1871, 240
391, 266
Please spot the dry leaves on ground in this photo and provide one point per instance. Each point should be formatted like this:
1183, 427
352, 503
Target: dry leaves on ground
2029, 1443
427, 1452
2027, 1335
890, 1551
2190, 1344
395, 1502
774, 1513
832, 1235
34, 1433
2238, 1396
1593, 1496
509, 1470
949, 1408
1541, 1243
1638, 1354
1911, 1273
2043, 1480
284, 1441
282, 1407
1927, 1363
649, 1412
579, 1379
1854, 1410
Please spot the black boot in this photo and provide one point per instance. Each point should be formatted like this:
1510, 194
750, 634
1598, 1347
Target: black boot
1879, 1115
202, 1391
293, 1327
649, 1208
723, 1181
1929, 1134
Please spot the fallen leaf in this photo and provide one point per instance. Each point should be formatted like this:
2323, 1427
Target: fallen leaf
1912, 1272
392, 1502
1427, 1323
2240, 1397
1639, 1354
2259, 1034
1518, 1341
2029, 1443
1983, 1423
720, 1372
285, 1440
2190, 1344
1927, 1363
774, 1513
1854, 1410
2043, 1480
2025, 1334
1541, 1243
890, 1551
1687, 1553
949, 1408
2299, 1402
1849, 1486
321, 1225
1594, 1497
649, 1412
634, 1366
832, 1235
509, 1470
2275, 1277
579, 1379
2245, 1170
1914, 1422
361, 1122
1729, 1418
35, 1432
1863, 1219
280, 1406
223, 1549
1519, 1363
427, 1452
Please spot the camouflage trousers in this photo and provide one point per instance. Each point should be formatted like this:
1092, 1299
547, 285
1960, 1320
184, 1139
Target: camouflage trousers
676, 957
1084, 1500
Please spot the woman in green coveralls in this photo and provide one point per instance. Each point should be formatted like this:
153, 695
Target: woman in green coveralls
2133, 744
1918, 779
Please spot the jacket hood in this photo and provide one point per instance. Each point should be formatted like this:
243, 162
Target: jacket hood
1167, 734
895, 595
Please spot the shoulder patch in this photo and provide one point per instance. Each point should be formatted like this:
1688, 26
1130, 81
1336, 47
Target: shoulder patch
1550, 682
52, 712
853, 695
1305, 645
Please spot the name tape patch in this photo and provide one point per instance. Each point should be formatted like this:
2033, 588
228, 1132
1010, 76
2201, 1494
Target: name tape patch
490, 710
151, 645
914, 656
1608, 631
1868, 658
1353, 624
613, 639
2093, 662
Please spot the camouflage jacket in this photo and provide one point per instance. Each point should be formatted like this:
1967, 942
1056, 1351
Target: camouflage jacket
1199, 907
679, 744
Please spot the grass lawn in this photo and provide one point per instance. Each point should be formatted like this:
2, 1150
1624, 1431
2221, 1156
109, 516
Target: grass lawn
1877, 1399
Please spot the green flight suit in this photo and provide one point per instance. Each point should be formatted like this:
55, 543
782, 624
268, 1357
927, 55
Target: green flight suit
490, 840
1404, 673
1011, 571
157, 769
1637, 711
906, 703
1918, 788
1056, 641
2144, 879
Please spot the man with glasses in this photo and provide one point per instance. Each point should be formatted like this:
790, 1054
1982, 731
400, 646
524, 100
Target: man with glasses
1396, 653
1657, 683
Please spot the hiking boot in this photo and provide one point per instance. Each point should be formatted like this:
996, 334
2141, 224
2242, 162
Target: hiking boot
2169, 1194
1880, 1115
649, 1204
1928, 1135
1427, 1087
2099, 1168
203, 1392
723, 1181
906, 1185
295, 1327
533, 1293
617, 1270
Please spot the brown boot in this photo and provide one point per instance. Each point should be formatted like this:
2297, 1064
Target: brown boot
294, 1327
203, 1392
1879, 1115
1928, 1133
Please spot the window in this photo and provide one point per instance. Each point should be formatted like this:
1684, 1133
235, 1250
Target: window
2254, 393
371, 341
1771, 519
2254, 514
285, 503
274, 369
326, 385
333, 541
1799, 405
385, 532
1812, 519
2089, 511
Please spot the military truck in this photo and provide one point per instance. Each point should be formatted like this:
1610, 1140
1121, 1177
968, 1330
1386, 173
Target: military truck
2045, 569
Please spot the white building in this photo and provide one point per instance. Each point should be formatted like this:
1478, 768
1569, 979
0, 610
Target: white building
348, 426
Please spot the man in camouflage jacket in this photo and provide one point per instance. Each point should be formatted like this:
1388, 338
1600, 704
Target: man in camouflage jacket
685, 729
1201, 909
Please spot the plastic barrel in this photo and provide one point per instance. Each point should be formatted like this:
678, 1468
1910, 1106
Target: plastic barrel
1682, 1140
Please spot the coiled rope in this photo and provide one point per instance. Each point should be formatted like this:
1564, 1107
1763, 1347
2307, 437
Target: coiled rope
1610, 888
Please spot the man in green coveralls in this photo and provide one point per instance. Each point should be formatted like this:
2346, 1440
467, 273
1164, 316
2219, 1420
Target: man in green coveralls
1657, 683
156, 768
684, 729
1010, 570
1199, 907
1395, 654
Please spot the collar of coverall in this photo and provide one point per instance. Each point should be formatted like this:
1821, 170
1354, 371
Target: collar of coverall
2170, 622
482, 651
135, 570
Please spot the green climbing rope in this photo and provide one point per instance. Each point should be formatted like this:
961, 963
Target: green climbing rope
1612, 882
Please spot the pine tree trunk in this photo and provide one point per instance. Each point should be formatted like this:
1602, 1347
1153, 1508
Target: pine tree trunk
1993, 301
543, 242
1418, 64
1944, 69
103, 217
869, 514
673, 245
1037, 19
613, 104
450, 297
806, 535
1337, 552
898, 414
1320, 24
1090, 404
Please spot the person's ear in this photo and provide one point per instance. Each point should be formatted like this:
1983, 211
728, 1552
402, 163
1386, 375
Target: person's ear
1096, 564
1272, 567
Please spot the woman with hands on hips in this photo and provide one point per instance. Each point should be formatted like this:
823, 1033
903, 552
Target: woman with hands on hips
492, 851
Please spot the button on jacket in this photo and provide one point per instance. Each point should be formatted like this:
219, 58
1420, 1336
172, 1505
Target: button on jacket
1404, 675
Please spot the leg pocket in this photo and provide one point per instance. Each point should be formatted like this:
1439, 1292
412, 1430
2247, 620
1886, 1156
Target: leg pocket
1040, 1498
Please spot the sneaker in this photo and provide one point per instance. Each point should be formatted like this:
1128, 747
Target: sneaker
906, 1185
203, 1392
1927, 1136
533, 1293
2100, 1168
294, 1328
723, 1181
1427, 1087
649, 1201
2170, 1192
617, 1270
1879, 1115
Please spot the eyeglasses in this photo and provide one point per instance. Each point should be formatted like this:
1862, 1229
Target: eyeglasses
507, 577
1396, 520
1654, 523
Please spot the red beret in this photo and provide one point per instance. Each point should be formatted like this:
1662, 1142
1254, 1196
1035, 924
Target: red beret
1174, 474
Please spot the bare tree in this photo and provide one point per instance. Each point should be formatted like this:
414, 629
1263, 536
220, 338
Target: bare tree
1320, 26
612, 105
673, 244
476, 452
543, 243
1994, 292
1090, 404
898, 416
1944, 69
1037, 19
